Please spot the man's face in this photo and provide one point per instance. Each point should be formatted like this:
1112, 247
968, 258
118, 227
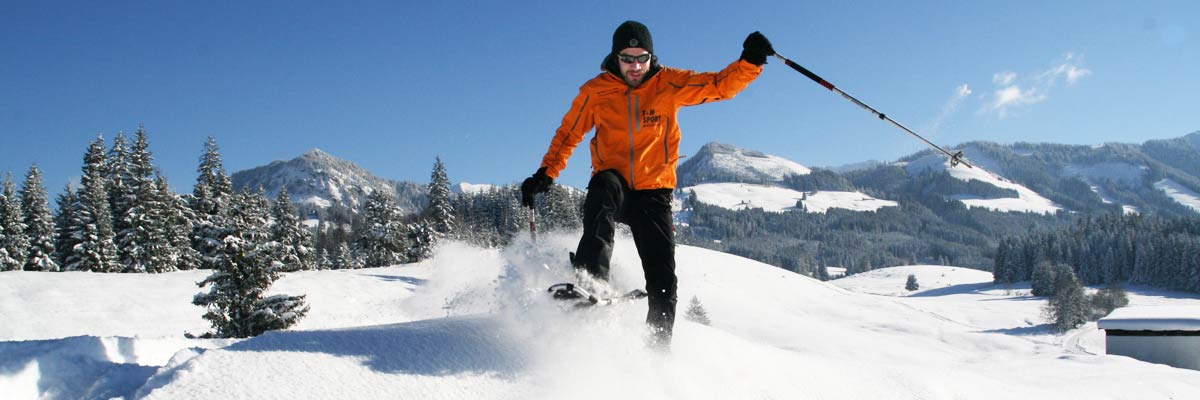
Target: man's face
635, 62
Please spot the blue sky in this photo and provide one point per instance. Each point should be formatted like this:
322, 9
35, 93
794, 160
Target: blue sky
391, 85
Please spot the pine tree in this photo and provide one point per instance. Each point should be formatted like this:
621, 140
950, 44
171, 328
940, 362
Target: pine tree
343, 258
120, 199
14, 244
382, 239
1068, 307
140, 209
421, 238
65, 230
294, 239
179, 220
323, 260
912, 284
39, 223
96, 251
440, 210
244, 270
210, 196
696, 312
1044, 277
560, 210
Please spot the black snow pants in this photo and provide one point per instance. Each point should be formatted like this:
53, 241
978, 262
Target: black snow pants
648, 213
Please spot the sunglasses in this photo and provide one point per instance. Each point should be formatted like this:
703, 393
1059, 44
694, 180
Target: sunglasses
628, 59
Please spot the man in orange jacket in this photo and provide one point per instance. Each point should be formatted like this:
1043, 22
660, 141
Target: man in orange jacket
633, 106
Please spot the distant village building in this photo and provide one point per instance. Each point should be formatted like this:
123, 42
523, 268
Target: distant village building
1165, 335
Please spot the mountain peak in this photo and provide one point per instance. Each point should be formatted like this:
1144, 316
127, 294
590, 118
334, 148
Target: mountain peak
321, 179
315, 152
720, 162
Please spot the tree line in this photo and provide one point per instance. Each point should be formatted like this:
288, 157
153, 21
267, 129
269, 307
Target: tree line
1159, 251
123, 217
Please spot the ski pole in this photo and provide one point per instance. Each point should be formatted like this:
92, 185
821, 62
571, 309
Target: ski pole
533, 224
955, 158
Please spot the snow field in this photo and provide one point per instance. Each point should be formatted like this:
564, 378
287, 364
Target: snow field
476, 323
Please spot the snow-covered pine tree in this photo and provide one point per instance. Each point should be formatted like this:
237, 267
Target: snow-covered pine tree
382, 239
516, 216
696, 312
1068, 307
560, 210
121, 198
140, 209
150, 233
1043, 278
96, 251
911, 284
440, 210
323, 260
209, 202
14, 245
39, 223
421, 236
244, 270
343, 258
179, 220
296, 248
65, 230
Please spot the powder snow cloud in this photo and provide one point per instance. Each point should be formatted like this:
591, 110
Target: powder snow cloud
1012, 91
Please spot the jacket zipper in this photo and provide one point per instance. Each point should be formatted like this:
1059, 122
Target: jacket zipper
633, 120
666, 148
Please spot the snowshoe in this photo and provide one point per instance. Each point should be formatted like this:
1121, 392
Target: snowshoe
583, 298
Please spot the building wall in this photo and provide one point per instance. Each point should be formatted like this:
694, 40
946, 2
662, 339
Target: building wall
1176, 351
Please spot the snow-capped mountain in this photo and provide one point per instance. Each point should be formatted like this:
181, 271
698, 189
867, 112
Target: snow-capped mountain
718, 162
322, 180
734, 178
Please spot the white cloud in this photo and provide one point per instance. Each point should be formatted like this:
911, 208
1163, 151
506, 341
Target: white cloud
1013, 96
1012, 92
963, 91
1004, 78
960, 93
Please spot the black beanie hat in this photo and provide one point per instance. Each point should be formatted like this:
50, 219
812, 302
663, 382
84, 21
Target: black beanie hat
632, 34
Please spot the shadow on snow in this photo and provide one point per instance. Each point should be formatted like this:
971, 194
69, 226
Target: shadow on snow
441, 347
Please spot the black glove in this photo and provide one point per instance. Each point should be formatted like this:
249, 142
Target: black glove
757, 48
538, 183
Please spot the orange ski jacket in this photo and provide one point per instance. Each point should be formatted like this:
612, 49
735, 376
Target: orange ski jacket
637, 133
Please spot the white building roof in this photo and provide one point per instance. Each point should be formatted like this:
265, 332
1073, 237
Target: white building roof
1153, 318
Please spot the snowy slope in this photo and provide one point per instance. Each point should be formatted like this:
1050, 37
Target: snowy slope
1179, 193
741, 196
474, 323
1027, 200
1124, 173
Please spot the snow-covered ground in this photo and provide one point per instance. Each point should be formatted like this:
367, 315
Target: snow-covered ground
475, 323
1026, 201
741, 196
1179, 193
